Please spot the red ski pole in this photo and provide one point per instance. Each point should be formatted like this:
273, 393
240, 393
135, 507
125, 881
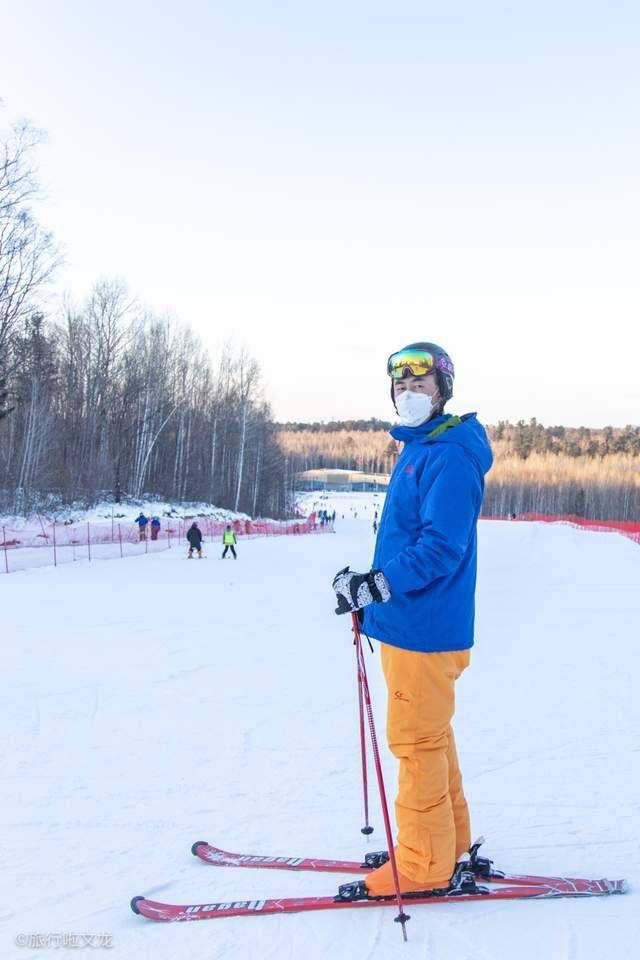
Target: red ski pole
367, 829
362, 670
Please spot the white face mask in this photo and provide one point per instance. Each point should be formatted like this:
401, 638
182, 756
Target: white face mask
413, 408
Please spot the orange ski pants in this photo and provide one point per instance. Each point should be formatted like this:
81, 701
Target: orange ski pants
431, 810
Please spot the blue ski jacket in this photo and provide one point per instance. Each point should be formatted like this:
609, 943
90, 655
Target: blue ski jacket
426, 544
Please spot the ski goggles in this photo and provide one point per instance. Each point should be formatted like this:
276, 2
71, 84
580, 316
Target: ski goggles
418, 362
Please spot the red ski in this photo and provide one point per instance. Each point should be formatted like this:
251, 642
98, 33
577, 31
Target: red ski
222, 858
168, 912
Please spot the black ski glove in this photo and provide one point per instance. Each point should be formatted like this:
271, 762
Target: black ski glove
357, 590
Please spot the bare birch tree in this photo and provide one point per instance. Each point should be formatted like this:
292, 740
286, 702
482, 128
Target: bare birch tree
27, 252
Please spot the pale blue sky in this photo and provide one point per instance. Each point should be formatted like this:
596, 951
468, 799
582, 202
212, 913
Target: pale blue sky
328, 184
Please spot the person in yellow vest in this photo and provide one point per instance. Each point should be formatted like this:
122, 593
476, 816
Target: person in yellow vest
229, 541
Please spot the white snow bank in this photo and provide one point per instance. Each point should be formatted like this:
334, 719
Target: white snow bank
126, 512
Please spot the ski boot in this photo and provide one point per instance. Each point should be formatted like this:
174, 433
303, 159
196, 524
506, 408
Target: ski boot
462, 881
481, 867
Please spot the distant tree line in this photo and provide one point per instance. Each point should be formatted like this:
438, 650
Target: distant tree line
593, 473
603, 488
336, 426
107, 398
369, 451
522, 439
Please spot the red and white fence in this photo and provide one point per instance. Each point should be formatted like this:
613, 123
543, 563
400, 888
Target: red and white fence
52, 544
628, 528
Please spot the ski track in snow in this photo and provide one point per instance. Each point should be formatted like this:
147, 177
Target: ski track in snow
149, 703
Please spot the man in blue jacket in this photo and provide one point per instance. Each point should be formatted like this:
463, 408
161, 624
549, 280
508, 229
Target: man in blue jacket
142, 522
418, 600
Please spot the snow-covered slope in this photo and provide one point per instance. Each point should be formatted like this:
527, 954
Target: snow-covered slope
126, 512
348, 506
156, 701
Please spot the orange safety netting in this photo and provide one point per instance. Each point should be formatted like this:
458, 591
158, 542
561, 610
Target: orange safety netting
54, 543
628, 528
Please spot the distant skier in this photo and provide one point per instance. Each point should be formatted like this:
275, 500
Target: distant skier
155, 527
375, 526
333, 517
142, 522
194, 536
229, 541
418, 600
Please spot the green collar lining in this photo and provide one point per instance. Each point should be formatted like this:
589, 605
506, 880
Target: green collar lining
451, 421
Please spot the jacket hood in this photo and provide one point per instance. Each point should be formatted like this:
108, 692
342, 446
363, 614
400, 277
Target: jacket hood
470, 434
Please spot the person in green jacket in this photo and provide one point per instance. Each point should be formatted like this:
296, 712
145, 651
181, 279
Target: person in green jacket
229, 541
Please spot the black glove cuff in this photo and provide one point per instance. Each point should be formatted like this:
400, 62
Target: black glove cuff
373, 586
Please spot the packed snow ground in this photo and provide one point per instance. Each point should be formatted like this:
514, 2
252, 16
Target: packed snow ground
348, 506
155, 701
